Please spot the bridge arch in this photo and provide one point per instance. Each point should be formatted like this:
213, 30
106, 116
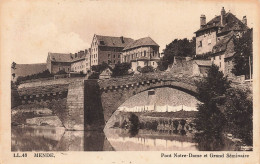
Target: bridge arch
102, 102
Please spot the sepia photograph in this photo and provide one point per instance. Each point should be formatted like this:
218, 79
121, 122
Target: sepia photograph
144, 76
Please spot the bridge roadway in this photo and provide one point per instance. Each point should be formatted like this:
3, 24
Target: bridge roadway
88, 104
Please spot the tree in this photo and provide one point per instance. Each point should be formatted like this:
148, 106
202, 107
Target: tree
178, 47
121, 69
147, 69
182, 122
134, 124
239, 114
13, 66
60, 72
243, 54
176, 124
99, 68
210, 121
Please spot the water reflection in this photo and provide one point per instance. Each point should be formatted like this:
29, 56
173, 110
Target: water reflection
147, 140
57, 139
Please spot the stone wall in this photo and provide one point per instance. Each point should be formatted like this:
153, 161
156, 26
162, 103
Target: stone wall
74, 119
94, 117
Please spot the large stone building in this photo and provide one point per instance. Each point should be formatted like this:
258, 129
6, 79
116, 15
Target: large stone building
140, 53
81, 62
107, 49
78, 62
59, 61
215, 38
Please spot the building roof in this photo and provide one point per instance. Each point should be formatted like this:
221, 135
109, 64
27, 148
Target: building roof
112, 41
203, 62
147, 41
232, 24
82, 57
221, 45
61, 57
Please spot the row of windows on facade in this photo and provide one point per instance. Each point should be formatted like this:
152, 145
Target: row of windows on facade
80, 67
114, 56
114, 62
136, 55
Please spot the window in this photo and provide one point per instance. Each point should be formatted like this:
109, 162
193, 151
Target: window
219, 57
114, 50
114, 61
220, 64
200, 44
114, 56
144, 53
118, 56
214, 58
108, 55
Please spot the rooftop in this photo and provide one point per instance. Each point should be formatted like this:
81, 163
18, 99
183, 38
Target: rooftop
147, 41
112, 41
232, 24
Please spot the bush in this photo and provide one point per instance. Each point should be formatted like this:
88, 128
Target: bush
94, 75
239, 114
121, 69
134, 121
176, 124
44, 74
99, 68
210, 121
61, 72
146, 69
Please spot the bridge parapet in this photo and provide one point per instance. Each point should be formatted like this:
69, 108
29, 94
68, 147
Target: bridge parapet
155, 79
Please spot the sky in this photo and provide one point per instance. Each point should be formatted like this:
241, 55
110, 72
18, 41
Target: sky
31, 29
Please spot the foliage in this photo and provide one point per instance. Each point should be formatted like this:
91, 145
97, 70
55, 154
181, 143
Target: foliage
44, 74
146, 69
99, 68
61, 72
121, 69
182, 122
239, 113
210, 121
176, 124
178, 47
149, 125
204, 56
134, 121
94, 75
13, 66
244, 50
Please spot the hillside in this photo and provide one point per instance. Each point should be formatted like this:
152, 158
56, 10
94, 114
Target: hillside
28, 69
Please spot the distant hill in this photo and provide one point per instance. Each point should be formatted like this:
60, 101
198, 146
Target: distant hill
28, 69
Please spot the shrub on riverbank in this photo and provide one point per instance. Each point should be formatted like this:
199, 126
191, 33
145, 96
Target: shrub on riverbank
238, 110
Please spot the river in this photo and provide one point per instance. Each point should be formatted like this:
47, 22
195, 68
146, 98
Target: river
42, 138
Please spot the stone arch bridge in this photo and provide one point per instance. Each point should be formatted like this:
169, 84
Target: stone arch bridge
88, 104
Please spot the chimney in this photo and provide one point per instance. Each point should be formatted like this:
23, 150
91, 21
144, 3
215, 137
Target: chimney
244, 20
122, 39
223, 21
202, 20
